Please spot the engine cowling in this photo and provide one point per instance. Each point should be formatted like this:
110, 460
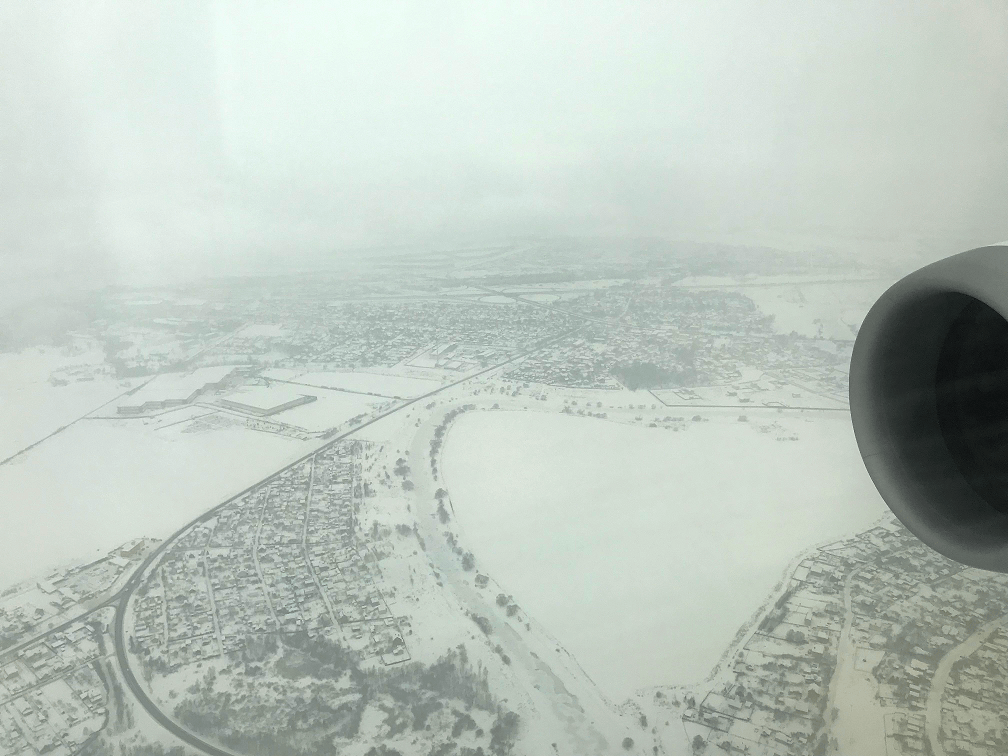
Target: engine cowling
929, 404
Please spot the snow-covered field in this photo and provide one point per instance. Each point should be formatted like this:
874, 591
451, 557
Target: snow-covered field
101, 482
382, 384
827, 306
331, 408
644, 550
758, 395
32, 412
33, 407
830, 310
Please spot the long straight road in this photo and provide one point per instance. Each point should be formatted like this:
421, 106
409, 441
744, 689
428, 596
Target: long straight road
255, 560
307, 552
122, 598
74, 421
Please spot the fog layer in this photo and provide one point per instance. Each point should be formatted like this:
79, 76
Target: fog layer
142, 141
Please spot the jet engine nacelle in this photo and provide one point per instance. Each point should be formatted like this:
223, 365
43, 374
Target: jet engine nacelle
929, 403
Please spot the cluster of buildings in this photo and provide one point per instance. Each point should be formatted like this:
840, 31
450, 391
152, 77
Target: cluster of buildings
148, 335
908, 609
174, 390
820, 371
460, 357
912, 608
278, 428
53, 687
576, 362
263, 401
974, 715
52, 698
431, 332
774, 699
348, 573
284, 558
645, 331
666, 336
31, 607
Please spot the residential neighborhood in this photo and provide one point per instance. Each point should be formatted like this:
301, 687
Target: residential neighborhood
287, 557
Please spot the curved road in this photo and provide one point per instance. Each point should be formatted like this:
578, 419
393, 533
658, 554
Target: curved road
121, 599
134, 685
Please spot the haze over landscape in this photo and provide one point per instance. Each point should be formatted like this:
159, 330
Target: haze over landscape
269, 137
467, 379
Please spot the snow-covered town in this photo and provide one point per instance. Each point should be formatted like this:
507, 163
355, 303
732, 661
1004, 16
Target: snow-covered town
372, 477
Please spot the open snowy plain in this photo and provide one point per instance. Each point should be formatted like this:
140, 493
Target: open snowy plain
644, 550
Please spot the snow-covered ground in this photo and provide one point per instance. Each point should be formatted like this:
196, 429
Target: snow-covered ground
100, 483
34, 411
33, 407
830, 310
330, 409
369, 383
826, 305
644, 550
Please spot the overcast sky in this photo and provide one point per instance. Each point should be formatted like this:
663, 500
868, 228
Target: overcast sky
139, 140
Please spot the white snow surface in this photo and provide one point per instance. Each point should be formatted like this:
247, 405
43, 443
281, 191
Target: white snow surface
645, 550
101, 483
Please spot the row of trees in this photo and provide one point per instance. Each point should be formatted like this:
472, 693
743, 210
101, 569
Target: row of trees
439, 431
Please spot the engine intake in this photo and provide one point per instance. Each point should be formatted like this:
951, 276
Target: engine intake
929, 404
